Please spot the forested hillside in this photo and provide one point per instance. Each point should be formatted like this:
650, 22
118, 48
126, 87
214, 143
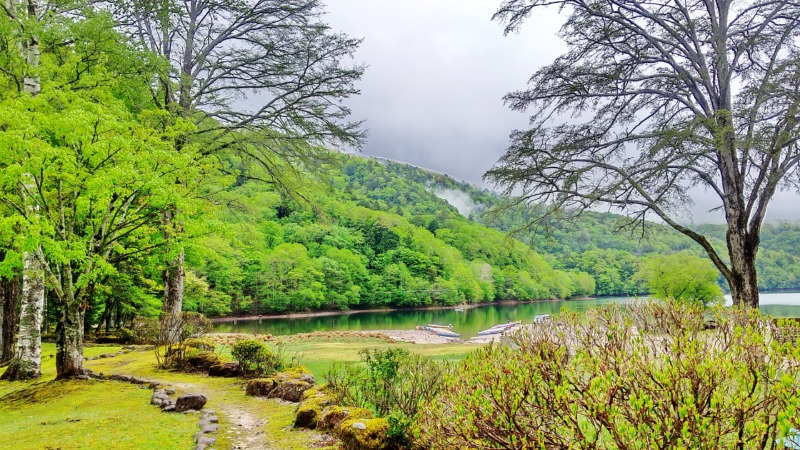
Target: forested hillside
372, 239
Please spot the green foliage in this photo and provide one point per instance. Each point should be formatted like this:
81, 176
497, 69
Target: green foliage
255, 358
681, 276
393, 383
646, 376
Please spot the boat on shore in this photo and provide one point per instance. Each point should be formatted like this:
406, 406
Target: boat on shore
449, 334
444, 327
497, 329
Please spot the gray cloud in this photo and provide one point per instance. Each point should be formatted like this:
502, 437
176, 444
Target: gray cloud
437, 72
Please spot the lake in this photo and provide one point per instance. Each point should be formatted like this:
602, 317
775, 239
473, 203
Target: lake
468, 323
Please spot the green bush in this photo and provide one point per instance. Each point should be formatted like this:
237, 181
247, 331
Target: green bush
647, 376
393, 383
255, 358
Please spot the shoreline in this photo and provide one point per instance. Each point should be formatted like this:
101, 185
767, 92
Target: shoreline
304, 315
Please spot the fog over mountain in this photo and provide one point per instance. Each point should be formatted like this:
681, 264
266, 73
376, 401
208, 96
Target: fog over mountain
436, 75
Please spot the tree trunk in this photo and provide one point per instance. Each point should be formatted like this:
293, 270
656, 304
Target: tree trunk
69, 343
9, 299
173, 300
27, 360
743, 279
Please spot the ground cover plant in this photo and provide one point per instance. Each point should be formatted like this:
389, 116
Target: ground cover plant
650, 376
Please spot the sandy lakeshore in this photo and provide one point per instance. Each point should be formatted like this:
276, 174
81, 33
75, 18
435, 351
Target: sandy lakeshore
412, 336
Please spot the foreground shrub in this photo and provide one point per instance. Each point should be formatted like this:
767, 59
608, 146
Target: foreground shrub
647, 376
255, 358
393, 383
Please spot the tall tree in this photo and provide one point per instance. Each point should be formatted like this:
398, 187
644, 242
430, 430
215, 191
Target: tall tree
22, 26
655, 98
260, 77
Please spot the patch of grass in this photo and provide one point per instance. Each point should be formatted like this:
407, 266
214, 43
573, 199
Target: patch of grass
319, 355
89, 414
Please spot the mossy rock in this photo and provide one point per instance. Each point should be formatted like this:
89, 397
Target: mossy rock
333, 415
203, 360
289, 390
364, 434
297, 373
310, 410
204, 345
314, 391
260, 387
229, 370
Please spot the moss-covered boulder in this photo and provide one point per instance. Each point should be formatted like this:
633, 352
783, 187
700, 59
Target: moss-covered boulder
310, 409
333, 415
288, 385
202, 360
289, 390
364, 434
260, 387
230, 369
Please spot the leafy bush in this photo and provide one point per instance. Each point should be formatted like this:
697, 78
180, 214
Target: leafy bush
255, 358
393, 383
648, 376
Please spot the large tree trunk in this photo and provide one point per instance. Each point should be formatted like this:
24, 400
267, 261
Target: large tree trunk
69, 344
173, 300
9, 299
27, 361
743, 279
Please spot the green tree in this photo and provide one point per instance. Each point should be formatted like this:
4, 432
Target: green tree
96, 175
681, 276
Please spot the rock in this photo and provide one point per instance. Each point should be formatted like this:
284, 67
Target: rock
169, 408
205, 440
191, 411
213, 419
260, 387
228, 370
155, 401
332, 416
310, 410
364, 434
200, 447
169, 391
190, 401
210, 428
207, 411
289, 390
153, 385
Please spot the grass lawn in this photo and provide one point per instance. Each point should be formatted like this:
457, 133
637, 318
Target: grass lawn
46, 414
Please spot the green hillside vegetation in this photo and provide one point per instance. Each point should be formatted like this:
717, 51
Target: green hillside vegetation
359, 246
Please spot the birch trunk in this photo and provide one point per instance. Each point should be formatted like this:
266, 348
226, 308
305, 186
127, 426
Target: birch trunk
27, 361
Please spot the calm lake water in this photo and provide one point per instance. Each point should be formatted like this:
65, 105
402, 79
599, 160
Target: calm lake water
468, 323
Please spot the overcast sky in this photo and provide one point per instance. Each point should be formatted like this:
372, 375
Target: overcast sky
437, 72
